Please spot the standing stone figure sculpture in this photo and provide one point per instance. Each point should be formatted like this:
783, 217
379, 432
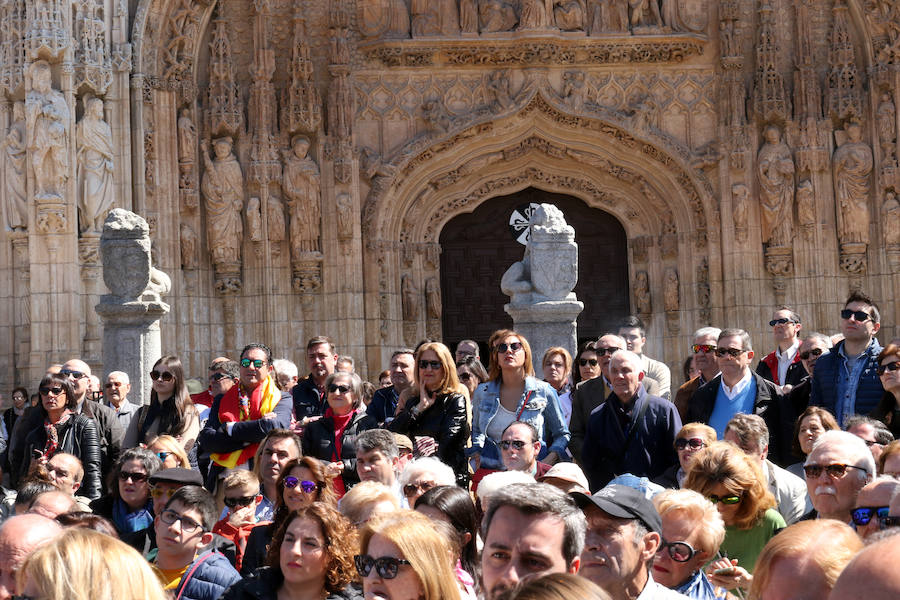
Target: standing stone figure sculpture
641, 290
344, 203
187, 137
890, 219
852, 165
886, 119
223, 188
569, 14
671, 298
496, 15
14, 170
47, 117
409, 298
535, 14
468, 16
300, 184
806, 205
433, 298
775, 170
740, 197
383, 18
96, 190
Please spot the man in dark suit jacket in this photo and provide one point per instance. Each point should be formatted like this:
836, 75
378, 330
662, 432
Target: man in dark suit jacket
782, 365
704, 351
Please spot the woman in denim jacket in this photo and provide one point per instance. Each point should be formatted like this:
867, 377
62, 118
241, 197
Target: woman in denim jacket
514, 394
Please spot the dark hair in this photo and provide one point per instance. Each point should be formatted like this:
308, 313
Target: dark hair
383, 374
197, 498
229, 367
66, 383
885, 408
858, 296
794, 316
535, 436
589, 346
686, 367
377, 439
402, 351
633, 321
87, 520
149, 460
258, 346
20, 389
327, 495
174, 411
31, 489
320, 339
456, 504
474, 364
828, 423
341, 544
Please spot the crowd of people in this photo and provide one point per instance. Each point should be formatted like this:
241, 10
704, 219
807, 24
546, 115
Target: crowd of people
452, 477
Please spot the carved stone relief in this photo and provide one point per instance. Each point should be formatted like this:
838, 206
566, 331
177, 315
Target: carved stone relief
806, 208
740, 199
95, 152
671, 297
775, 172
852, 164
890, 219
223, 189
47, 123
641, 290
14, 145
300, 185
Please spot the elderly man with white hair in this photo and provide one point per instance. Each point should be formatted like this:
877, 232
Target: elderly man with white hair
115, 396
632, 432
836, 469
422, 474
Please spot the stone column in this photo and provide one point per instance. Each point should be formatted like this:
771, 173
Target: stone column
543, 306
131, 312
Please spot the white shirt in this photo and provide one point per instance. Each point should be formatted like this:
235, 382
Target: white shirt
655, 591
785, 359
731, 392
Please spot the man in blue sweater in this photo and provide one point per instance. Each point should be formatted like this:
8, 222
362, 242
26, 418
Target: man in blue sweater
846, 380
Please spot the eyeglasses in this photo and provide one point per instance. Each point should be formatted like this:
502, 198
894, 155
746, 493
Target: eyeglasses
704, 348
835, 471
587, 361
423, 486
340, 389
164, 455
694, 443
257, 363
890, 521
504, 348
307, 487
894, 366
813, 352
679, 551
134, 476
517, 444
434, 365
158, 492
188, 525
781, 321
113, 384
728, 500
165, 376
863, 515
860, 315
56, 390
465, 376
239, 501
604, 351
219, 376
72, 374
732, 352
387, 567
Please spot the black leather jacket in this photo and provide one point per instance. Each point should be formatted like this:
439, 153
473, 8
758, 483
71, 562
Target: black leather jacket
318, 441
264, 584
77, 436
446, 421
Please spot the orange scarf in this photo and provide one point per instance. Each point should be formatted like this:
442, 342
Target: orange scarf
262, 401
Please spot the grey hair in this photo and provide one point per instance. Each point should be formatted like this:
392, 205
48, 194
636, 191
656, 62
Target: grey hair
443, 474
630, 357
540, 498
750, 429
815, 335
855, 451
356, 386
377, 439
121, 375
283, 366
883, 435
734, 331
705, 331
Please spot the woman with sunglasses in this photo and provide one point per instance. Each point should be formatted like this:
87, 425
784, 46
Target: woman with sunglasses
888, 409
588, 363
692, 531
404, 557
170, 410
557, 368
471, 373
812, 422
169, 451
333, 437
735, 483
64, 430
435, 417
301, 482
691, 439
311, 556
514, 394
128, 503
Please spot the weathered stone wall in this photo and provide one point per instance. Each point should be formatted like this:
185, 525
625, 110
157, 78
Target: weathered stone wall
296, 161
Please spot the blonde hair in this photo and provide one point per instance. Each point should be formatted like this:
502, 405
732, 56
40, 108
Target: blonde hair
423, 546
555, 586
81, 564
363, 495
700, 429
825, 543
553, 351
450, 381
241, 479
694, 508
497, 337
170, 444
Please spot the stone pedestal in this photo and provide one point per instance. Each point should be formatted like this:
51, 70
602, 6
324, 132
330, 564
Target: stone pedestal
547, 324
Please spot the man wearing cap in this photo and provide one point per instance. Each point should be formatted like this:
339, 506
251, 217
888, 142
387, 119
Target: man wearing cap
623, 536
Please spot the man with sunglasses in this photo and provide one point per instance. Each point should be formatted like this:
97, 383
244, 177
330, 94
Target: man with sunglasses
836, 469
115, 392
704, 352
872, 574
873, 506
782, 366
812, 346
519, 448
846, 380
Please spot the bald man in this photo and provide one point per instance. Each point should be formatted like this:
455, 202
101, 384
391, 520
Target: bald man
874, 499
19, 537
873, 574
52, 504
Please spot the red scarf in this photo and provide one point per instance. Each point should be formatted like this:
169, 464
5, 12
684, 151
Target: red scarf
340, 424
234, 409
50, 429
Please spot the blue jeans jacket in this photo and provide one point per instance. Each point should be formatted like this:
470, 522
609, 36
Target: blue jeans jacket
542, 411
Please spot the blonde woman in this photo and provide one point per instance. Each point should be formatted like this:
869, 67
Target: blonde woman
169, 450
366, 500
557, 368
403, 555
82, 564
556, 586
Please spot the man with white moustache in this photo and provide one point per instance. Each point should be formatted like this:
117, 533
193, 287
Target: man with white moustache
836, 469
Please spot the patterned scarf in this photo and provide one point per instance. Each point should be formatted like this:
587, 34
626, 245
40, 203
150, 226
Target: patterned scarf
235, 409
52, 432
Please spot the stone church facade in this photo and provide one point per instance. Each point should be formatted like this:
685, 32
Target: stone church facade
298, 161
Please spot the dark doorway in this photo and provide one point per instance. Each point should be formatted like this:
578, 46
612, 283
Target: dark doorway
477, 248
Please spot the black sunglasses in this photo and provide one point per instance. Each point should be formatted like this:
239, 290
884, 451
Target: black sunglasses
679, 551
56, 390
133, 476
813, 352
694, 443
165, 376
465, 376
611, 350
587, 361
733, 352
861, 316
387, 567
434, 365
781, 321
894, 366
341, 389
72, 374
504, 348
864, 514
517, 444
239, 501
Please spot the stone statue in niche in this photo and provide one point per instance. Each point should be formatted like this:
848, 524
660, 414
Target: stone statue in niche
435, 115
740, 199
671, 299
383, 18
569, 14
468, 16
886, 119
340, 107
254, 220
301, 187
344, 216
434, 18
223, 187
433, 298
47, 117
96, 191
535, 14
14, 170
644, 13
852, 165
806, 205
410, 298
574, 89
641, 289
189, 247
497, 91
890, 211
775, 170
685, 15
275, 225
607, 16
496, 15
187, 137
